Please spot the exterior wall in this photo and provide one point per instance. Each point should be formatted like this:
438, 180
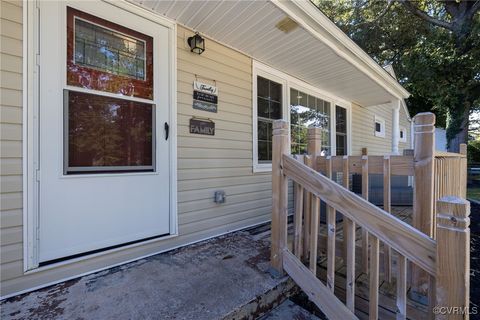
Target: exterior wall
223, 161
11, 140
363, 129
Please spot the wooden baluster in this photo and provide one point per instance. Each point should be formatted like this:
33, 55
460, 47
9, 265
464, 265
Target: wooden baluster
314, 149
307, 215
374, 262
453, 255
349, 242
314, 233
365, 187
331, 221
349, 249
281, 147
346, 184
350, 285
298, 220
387, 207
401, 287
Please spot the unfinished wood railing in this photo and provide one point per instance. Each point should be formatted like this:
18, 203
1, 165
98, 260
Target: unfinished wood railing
444, 260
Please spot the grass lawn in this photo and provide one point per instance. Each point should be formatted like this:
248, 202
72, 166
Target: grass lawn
473, 193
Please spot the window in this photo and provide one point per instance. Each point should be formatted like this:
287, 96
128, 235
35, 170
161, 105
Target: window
280, 96
403, 134
105, 50
306, 111
341, 130
379, 127
105, 56
103, 133
107, 134
269, 108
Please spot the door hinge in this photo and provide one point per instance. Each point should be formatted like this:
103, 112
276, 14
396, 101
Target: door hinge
37, 175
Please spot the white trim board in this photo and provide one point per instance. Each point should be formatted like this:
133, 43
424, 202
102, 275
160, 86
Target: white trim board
31, 115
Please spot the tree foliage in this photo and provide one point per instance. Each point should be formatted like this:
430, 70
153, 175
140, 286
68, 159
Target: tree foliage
434, 47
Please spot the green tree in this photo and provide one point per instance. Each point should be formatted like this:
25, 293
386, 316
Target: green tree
434, 47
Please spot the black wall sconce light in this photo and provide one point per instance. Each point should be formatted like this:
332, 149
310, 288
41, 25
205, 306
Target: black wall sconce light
196, 43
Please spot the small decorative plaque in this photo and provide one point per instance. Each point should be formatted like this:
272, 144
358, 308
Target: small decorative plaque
198, 126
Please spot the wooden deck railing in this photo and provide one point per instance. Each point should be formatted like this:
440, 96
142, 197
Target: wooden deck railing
312, 177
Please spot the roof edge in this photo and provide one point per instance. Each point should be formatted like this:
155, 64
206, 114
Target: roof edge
307, 15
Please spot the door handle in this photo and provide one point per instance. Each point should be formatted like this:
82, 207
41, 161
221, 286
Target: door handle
167, 129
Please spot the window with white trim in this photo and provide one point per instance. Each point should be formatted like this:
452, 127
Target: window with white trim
277, 95
269, 108
379, 127
403, 134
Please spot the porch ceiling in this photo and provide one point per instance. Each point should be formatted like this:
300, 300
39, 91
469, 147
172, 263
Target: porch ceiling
250, 27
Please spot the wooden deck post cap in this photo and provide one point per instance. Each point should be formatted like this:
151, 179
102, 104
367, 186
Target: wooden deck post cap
314, 133
280, 127
424, 118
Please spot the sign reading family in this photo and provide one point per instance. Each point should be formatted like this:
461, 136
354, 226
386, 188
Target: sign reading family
205, 97
206, 127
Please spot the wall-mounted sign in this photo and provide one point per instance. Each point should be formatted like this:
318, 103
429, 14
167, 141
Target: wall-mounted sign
204, 87
205, 97
205, 106
200, 126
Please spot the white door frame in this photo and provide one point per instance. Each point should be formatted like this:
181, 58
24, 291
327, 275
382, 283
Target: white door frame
30, 138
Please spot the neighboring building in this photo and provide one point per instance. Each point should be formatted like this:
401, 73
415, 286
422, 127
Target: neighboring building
440, 139
98, 162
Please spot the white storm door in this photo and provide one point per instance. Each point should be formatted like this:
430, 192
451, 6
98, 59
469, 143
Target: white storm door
103, 141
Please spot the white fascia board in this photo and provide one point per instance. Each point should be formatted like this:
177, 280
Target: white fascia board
310, 18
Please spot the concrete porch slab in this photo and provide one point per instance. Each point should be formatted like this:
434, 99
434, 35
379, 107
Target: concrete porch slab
214, 279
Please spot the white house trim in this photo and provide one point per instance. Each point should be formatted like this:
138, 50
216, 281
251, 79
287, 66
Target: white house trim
395, 126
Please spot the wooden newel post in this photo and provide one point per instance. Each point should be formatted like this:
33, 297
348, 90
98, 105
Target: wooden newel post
423, 156
281, 146
453, 258
424, 186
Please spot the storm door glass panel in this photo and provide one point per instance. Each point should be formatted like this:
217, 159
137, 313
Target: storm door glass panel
269, 108
341, 130
105, 134
105, 56
308, 111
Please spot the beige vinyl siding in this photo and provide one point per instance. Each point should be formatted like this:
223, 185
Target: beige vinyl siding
11, 236
223, 161
363, 129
